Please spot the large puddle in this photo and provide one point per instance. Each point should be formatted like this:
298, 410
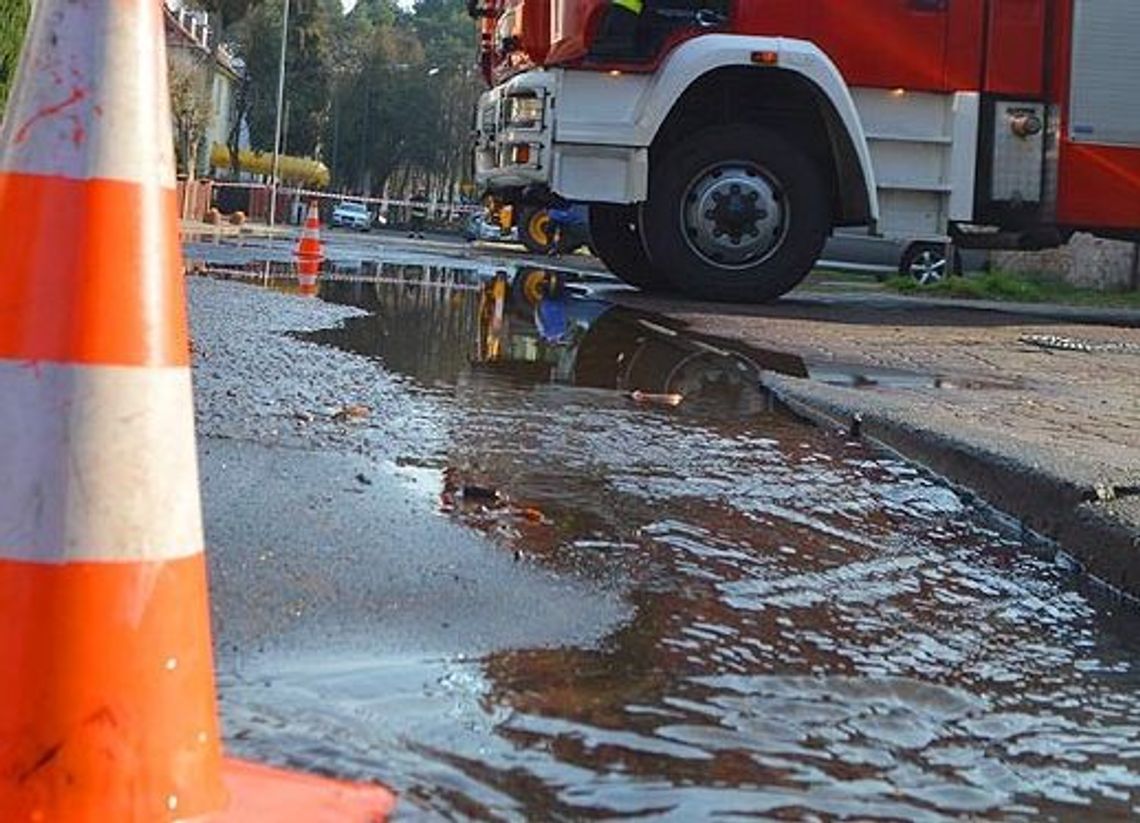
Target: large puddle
819, 631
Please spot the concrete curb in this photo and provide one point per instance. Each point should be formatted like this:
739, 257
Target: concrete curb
1078, 518
1089, 315
248, 230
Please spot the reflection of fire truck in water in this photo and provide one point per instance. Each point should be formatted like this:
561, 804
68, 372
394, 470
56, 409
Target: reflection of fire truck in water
531, 329
527, 324
719, 142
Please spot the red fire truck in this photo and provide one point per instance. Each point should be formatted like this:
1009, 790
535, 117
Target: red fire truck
719, 142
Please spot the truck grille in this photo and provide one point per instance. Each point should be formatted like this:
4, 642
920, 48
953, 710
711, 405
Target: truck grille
488, 120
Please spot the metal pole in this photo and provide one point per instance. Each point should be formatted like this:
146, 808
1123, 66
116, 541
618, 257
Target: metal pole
336, 131
277, 127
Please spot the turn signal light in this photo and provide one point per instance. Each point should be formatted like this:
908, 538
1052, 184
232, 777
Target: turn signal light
765, 58
520, 155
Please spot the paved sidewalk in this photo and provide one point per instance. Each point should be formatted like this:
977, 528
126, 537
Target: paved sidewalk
1049, 435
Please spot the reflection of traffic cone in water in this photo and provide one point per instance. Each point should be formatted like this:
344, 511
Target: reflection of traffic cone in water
307, 270
107, 707
499, 294
499, 289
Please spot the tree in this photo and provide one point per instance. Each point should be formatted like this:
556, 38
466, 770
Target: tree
13, 22
446, 33
407, 105
240, 113
190, 105
377, 109
308, 64
375, 13
449, 42
382, 95
231, 11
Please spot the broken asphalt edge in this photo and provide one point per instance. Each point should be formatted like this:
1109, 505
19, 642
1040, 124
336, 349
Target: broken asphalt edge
1072, 516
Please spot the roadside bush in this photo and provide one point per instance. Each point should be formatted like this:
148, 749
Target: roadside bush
13, 22
1024, 288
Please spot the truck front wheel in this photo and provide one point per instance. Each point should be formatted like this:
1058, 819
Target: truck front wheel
615, 237
735, 213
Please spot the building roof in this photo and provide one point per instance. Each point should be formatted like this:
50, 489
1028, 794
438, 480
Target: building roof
189, 27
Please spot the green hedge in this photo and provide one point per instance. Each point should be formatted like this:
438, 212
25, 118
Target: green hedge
13, 20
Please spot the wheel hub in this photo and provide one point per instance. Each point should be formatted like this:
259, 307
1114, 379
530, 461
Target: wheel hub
929, 267
735, 216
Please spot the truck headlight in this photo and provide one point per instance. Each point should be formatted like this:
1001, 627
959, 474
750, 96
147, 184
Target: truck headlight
524, 111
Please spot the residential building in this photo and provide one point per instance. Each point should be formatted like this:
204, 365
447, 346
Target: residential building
192, 30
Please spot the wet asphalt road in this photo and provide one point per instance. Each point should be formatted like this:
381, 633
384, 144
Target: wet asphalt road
292, 483
464, 538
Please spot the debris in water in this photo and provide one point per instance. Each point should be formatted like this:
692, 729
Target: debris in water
671, 400
481, 494
353, 411
603, 545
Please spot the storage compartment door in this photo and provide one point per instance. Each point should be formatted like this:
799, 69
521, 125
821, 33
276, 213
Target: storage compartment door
1104, 103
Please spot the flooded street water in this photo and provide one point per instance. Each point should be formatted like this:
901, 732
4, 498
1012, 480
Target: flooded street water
816, 630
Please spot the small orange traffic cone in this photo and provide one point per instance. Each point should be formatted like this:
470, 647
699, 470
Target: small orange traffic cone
309, 244
107, 706
309, 252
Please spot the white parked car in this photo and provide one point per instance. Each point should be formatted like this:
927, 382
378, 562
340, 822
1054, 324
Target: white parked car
352, 215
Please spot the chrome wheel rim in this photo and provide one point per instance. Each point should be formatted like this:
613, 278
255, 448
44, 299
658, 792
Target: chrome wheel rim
734, 215
929, 267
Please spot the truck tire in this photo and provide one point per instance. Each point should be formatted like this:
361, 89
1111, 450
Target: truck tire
534, 230
615, 237
735, 213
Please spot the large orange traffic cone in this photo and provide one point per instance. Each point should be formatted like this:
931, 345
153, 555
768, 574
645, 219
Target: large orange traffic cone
107, 708
309, 244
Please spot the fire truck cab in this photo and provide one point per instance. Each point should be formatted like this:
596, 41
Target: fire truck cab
719, 142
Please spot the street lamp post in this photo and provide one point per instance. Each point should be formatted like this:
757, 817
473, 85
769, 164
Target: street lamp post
277, 127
